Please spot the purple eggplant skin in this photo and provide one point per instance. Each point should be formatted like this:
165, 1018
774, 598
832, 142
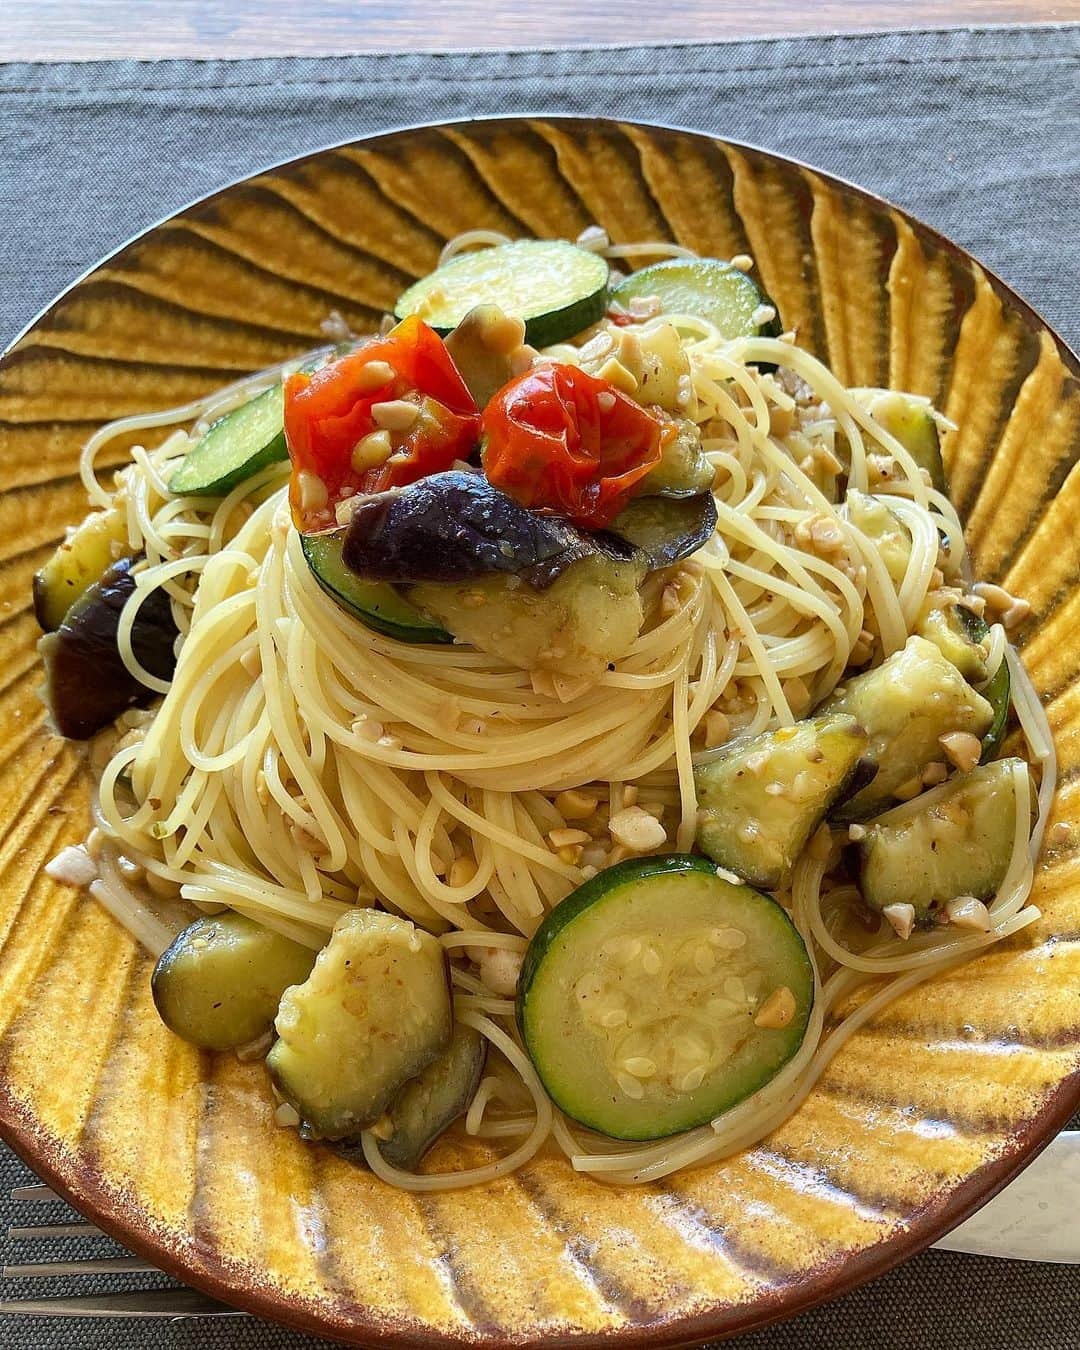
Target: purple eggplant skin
87, 684
454, 526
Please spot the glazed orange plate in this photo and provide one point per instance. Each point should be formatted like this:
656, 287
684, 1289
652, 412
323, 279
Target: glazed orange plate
181, 1154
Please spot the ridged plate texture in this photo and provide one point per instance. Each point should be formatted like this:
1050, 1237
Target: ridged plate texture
927, 1110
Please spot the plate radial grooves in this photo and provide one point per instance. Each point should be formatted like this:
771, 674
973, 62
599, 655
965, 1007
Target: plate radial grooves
925, 1109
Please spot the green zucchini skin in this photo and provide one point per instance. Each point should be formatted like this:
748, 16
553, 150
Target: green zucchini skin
997, 691
377, 604
709, 287
568, 1050
236, 447
557, 288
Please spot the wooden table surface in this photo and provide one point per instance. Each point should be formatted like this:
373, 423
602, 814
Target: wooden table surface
93, 29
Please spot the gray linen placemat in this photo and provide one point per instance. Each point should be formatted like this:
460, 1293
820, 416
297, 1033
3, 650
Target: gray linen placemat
976, 132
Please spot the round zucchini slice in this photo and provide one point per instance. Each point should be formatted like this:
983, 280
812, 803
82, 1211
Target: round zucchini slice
556, 287
237, 446
659, 994
708, 287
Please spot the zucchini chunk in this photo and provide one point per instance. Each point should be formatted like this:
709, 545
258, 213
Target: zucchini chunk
906, 704
430, 1103
375, 603
956, 632
236, 446
960, 844
683, 471
373, 1013
708, 287
762, 797
658, 995
667, 529
662, 373
884, 528
83, 557
87, 684
219, 983
913, 424
587, 618
556, 287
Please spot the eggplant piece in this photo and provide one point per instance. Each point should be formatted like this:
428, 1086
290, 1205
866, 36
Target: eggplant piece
430, 1103
87, 684
455, 526
667, 529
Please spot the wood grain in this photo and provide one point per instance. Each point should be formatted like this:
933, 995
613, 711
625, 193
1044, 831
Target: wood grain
96, 29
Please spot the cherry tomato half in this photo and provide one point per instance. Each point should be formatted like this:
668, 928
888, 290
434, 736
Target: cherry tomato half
560, 440
329, 412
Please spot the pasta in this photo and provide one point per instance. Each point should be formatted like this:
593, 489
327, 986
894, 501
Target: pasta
299, 765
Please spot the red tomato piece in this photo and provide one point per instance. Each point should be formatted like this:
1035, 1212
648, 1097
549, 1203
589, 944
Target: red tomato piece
560, 440
328, 412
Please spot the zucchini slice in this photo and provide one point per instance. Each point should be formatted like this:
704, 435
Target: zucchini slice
955, 632
658, 995
556, 287
912, 422
219, 983
235, 447
959, 844
373, 1013
762, 797
708, 287
667, 529
905, 704
82, 558
376, 604
884, 528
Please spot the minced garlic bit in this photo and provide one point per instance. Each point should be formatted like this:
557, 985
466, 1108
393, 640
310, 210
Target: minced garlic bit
1012, 609
462, 870
856, 833
901, 919
499, 969
962, 748
574, 804
636, 830
1059, 832
373, 450
313, 494
72, 866
286, 1116
565, 837
742, 262
717, 728
968, 912
397, 414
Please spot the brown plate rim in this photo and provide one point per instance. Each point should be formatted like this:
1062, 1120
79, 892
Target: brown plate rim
86, 1190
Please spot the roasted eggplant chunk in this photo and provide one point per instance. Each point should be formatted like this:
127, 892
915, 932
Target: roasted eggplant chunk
87, 684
